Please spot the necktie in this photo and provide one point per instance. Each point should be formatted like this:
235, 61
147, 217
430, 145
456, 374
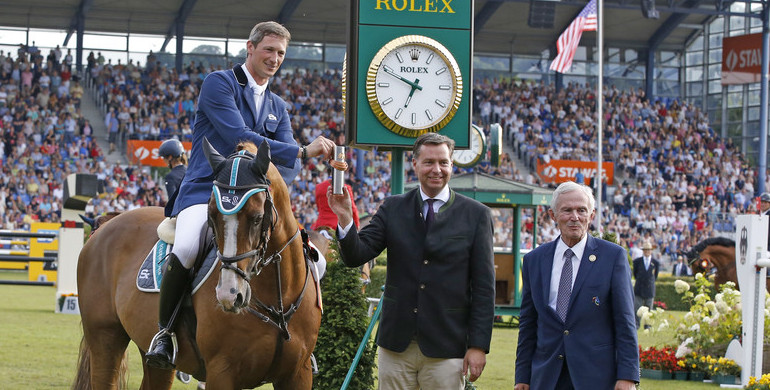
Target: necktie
431, 215
565, 286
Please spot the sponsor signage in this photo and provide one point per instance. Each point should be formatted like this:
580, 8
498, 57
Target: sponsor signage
559, 171
146, 152
742, 59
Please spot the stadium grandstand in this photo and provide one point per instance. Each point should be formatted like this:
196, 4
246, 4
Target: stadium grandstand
683, 146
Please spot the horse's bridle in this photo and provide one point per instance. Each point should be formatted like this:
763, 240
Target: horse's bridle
257, 254
275, 316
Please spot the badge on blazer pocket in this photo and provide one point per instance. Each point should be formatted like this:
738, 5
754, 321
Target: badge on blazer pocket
271, 124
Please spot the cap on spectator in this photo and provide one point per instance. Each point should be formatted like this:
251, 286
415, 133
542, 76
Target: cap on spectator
647, 245
765, 197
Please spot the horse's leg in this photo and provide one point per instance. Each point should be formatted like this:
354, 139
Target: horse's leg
221, 381
155, 378
301, 380
108, 349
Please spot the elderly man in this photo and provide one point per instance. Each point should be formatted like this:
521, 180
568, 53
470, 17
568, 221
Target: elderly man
576, 328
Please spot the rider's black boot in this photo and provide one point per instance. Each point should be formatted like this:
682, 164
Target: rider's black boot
172, 287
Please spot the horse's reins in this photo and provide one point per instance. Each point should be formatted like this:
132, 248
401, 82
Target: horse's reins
277, 316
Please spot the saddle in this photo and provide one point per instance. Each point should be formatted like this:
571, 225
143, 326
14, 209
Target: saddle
150, 274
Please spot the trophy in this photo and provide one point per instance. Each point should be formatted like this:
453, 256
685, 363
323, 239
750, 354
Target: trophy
338, 177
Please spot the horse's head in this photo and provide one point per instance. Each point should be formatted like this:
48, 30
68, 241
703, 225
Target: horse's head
714, 256
700, 264
241, 214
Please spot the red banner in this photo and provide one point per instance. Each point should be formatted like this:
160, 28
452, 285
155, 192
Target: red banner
742, 59
146, 152
559, 171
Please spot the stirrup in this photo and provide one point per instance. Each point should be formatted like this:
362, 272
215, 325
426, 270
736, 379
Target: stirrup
313, 364
183, 377
172, 335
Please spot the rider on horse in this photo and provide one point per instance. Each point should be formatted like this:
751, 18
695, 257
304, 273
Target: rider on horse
234, 105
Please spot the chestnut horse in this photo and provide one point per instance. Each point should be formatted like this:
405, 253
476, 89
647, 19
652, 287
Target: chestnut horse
716, 256
230, 345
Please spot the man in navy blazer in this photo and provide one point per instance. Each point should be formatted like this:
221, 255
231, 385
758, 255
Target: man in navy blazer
646, 274
439, 300
577, 328
234, 105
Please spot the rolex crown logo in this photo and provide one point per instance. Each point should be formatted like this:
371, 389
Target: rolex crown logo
415, 54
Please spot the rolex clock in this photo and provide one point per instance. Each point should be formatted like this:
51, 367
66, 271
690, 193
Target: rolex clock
472, 156
414, 85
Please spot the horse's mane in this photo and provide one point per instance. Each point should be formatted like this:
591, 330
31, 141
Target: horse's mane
721, 241
247, 146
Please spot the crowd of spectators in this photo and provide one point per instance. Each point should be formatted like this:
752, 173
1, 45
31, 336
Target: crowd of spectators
676, 181
43, 135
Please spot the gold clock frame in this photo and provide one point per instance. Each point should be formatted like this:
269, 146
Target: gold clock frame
371, 92
480, 156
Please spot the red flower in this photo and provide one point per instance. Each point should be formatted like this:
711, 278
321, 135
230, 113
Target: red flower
659, 359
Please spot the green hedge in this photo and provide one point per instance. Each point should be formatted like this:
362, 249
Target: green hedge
665, 292
377, 275
343, 325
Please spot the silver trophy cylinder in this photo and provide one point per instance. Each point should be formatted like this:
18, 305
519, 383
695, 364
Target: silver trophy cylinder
338, 177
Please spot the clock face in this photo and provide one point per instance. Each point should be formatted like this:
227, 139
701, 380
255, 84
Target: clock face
470, 157
414, 85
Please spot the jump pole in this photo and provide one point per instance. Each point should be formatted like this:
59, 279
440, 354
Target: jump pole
751, 262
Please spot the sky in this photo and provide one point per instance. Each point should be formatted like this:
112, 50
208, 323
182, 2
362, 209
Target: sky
112, 46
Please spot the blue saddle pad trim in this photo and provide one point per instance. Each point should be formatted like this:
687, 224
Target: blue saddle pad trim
150, 274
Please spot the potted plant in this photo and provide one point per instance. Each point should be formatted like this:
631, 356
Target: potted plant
696, 368
657, 363
724, 371
679, 372
762, 383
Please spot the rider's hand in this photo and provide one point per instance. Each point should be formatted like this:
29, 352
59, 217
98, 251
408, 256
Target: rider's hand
321, 146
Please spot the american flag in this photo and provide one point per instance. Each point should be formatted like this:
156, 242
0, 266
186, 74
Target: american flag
569, 39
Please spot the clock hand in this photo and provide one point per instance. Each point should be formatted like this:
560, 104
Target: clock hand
414, 86
398, 76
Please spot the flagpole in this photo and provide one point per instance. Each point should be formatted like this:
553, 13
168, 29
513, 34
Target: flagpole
599, 109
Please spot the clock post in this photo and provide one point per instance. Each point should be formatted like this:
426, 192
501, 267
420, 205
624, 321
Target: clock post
409, 72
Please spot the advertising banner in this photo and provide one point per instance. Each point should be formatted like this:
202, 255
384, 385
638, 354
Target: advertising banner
559, 171
742, 59
146, 152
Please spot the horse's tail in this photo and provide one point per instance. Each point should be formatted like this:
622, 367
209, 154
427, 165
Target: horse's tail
83, 376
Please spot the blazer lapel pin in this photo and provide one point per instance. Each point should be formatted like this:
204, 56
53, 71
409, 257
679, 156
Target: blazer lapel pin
592, 258
596, 301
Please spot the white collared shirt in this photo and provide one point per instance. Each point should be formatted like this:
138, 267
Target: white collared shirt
441, 199
647, 263
558, 264
256, 89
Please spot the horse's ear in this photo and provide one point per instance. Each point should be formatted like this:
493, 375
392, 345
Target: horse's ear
215, 159
262, 162
89, 221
